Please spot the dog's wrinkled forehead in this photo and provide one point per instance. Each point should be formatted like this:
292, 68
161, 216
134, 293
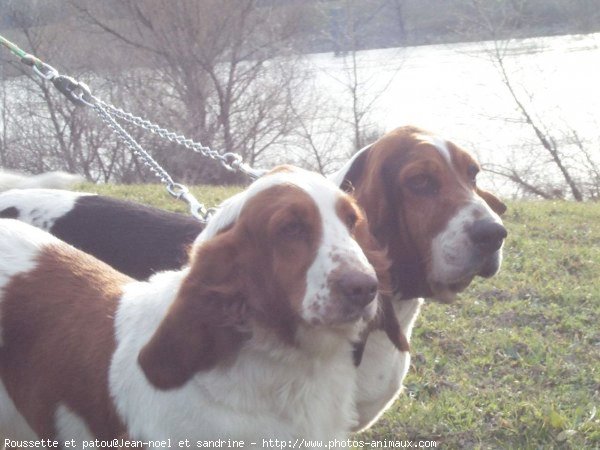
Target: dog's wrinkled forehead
454, 156
322, 191
438, 143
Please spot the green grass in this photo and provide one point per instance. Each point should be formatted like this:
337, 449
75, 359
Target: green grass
515, 361
157, 195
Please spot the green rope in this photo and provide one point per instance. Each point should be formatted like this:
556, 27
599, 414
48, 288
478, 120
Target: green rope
12, 47
20, 53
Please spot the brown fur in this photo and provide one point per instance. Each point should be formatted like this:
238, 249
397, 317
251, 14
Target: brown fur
494, 202
386, 319
402, 222
254, 272
58, 330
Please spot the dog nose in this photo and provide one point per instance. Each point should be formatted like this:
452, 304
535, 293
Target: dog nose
358, 288
487, 235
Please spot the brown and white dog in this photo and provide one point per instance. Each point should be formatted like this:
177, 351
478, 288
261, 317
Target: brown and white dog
424, 207
251, 341
440, 229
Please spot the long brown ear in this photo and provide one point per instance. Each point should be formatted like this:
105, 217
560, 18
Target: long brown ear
205, 324
493, 202
375, 253
387, 321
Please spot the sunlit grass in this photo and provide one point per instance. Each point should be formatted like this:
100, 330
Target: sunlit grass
515, 363
157, 195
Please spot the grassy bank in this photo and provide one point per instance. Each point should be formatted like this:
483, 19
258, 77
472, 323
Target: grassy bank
514, 362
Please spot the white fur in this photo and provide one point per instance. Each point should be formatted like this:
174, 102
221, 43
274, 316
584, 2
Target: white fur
69, 426
12, 424
453, 251
271, 391
53, 180
336, 243
383, 367
40, 207
440, 145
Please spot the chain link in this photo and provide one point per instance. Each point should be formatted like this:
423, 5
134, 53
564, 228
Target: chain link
230, 161
177, 190
80, 94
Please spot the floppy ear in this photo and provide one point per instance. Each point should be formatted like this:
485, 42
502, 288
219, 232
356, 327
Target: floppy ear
375, 253
365, 183
356, 170
493, 202
387, 321
205, 324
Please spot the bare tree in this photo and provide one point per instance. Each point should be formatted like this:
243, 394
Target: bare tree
555, 157
4, 118
218, 71
361, 91
44, 130
316, 145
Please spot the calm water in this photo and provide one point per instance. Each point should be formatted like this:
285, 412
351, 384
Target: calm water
456, 91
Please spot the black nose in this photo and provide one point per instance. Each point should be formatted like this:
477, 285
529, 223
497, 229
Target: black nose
358, 288
487, 235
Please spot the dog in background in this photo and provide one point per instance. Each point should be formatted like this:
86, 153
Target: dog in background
51, 180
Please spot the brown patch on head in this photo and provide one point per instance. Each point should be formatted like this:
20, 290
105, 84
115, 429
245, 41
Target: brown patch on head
252, 274
466, 168
58, 330
349, 212
385, 319
353, 216
409, 192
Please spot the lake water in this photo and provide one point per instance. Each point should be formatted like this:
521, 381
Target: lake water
456, 91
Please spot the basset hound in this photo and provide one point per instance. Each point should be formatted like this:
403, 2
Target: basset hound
251, 341
440, 229
421, 198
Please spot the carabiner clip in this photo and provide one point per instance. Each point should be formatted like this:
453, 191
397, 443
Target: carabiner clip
77, 92
43, 70
197, 209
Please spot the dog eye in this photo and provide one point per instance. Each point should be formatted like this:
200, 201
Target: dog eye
294, 230
472, 172
351, 221
423, 184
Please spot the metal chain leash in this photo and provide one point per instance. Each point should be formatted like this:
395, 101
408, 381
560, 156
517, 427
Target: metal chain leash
79, 93
179, 191
230, 161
